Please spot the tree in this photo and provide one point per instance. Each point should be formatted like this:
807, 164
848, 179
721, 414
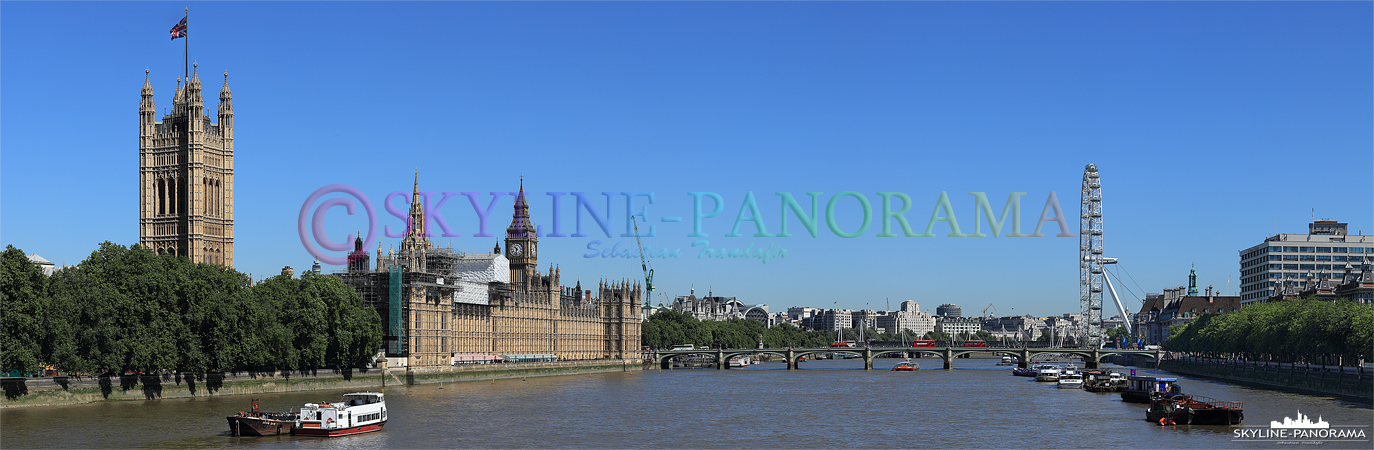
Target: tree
22, 292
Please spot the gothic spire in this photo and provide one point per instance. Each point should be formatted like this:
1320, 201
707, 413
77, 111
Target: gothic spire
224, 91
147, 84
194, 81
417, 210
146, 107
177, 98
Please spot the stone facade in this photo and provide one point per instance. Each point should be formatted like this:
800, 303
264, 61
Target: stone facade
956, 326
909, 317
716, 308
493, 304
186, 175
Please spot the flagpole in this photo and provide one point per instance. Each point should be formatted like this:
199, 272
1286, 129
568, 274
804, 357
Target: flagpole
185, 59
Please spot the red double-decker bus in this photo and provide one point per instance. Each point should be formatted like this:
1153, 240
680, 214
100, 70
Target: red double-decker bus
841, 345
975, 343
923, 344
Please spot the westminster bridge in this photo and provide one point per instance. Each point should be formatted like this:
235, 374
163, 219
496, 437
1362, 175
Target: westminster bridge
1091, 356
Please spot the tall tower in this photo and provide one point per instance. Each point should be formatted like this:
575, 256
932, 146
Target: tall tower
186, 175
522, 242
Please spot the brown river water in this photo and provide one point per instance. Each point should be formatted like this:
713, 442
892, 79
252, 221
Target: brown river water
827, 404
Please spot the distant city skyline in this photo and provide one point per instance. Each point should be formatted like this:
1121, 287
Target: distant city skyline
1206, 120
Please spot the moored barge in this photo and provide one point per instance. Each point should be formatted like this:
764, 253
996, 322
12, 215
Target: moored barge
1179, 409
261, 423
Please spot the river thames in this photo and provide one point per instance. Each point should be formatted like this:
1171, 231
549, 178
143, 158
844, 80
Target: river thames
827, 404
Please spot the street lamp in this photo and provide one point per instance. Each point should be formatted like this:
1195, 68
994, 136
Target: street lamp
835, 320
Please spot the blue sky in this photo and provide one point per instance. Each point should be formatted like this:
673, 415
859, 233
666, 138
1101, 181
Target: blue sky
1214, 125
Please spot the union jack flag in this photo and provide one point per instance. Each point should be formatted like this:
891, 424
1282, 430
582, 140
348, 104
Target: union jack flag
179, 31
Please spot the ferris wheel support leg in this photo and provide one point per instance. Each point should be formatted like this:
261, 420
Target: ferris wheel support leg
1125, 318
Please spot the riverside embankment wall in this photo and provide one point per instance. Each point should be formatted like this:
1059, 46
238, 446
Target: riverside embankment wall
1332, 380
86, 389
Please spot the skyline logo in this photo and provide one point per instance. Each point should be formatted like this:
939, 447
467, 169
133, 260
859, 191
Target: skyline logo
891, 209
1301, 431
1302, 422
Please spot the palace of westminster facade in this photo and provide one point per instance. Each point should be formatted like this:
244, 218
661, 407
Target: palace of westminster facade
437, 305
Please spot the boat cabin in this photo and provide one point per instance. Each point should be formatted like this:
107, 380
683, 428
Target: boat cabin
1150, 384
1140, 389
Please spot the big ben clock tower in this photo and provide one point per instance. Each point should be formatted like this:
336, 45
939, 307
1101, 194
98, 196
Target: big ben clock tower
522, 243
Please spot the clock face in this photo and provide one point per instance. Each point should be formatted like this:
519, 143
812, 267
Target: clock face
516, 249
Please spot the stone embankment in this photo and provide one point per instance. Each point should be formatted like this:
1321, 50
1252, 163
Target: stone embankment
1355, 381
67, 390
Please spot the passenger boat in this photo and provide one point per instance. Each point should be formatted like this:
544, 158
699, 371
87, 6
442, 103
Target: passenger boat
358, 412
1141, 389
261, 423
1179, 409
1071, 380
1007, 360
739, 361
1047, 373
906, 366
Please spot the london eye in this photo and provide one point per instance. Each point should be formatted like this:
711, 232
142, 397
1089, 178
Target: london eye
1091, 276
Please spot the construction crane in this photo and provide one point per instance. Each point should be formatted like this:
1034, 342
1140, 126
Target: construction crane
985, 310
644, 265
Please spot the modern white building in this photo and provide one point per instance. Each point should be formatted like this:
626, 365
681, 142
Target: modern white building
1301, 261
831, 319
954, 326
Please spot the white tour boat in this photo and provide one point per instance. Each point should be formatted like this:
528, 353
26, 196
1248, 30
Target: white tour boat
1071, 380
358, 412
1047, 373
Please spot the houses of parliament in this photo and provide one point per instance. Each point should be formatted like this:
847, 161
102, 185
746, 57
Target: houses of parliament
439, 306
444, 307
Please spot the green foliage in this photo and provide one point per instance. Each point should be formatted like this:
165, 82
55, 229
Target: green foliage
1118, 333
130, 309
668, 328
22, 289
937, 336
1295, 327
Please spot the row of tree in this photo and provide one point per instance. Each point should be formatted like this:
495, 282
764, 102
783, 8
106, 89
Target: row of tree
668, 328
1306, 327
129, 309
